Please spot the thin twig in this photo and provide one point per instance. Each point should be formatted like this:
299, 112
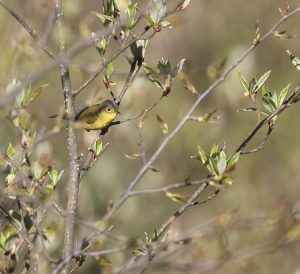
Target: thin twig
130, 78
48, 26
167, 187
29, 29
186, 117
104, 251
268, 119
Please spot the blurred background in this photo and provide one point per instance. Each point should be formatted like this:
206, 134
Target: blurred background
266, 184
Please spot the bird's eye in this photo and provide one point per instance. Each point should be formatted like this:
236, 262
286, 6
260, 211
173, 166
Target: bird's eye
108, 109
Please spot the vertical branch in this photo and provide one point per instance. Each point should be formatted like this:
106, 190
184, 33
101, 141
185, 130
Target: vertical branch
73, 181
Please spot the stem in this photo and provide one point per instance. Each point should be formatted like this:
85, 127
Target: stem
73, 180
186, 117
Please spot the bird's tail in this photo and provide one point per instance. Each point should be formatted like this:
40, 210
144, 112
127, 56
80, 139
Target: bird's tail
63, 117
54, 116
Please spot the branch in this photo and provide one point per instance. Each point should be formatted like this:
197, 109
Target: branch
199, 99
167, 187
73, 180
268, 119
29, 29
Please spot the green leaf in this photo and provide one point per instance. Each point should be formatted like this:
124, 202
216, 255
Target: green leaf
283, 94
202, 154
214, 150
166, 24
23, 121
104, 18
262, 80
37, 170
131, 12
33, 95
10, 151
176, 197
221, 162
99, 44
274, 99
295, 59
27, 221
156, 10
253, 86
54, 177
178, 68
152, 76
212, 166
163, 125
146, 17
184, 4
164, 67
8, 236
268, 106
269, 100
233, 160
228, 180
97, 147
133, 156
109, 69
244, 82
138, 48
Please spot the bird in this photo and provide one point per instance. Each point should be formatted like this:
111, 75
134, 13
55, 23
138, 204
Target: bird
95, 117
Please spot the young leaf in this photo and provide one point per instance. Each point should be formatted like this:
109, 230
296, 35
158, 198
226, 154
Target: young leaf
102, 17
53, 174
295, 59
189, 85
156, 10
97, 147
37, 170
143, 118
176, 197
283, 94
10, 151
108, 72
244, 83
152, 76
99, 44
133, 156
184, 4
130, 13
214, 150
138, 48
33, 95
233, 160
212, 166
164, 67
262, 80
228, 180
221, 162
202, 154
178, 68
54, 177
274, 99
163, 125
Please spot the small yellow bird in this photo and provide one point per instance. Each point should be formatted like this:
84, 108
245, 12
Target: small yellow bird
96, 117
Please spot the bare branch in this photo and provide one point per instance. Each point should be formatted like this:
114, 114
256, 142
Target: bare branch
73, 180
29, 29
167, 187
186, 117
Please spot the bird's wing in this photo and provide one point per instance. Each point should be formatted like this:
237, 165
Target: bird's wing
89, 114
